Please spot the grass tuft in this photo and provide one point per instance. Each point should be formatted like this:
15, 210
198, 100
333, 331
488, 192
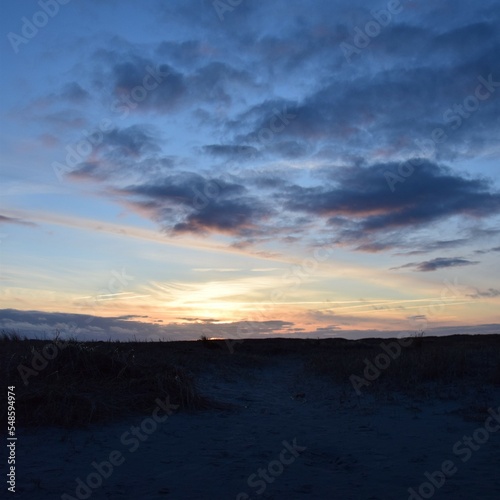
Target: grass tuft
9, 336
76, 383
90, 382
423, 366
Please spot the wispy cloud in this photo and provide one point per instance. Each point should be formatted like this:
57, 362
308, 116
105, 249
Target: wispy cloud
438, 263
220, 160
490, 293
14, 220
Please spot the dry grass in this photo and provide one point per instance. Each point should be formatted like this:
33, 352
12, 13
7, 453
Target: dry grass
427, 365
91, 382
94, 381
9, 336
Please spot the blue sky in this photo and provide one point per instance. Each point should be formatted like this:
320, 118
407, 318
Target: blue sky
259, 168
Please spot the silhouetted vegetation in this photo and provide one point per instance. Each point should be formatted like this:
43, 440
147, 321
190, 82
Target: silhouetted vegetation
86, 382
91, 382
422, 367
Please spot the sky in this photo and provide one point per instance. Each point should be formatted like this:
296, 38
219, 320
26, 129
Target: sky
239, 168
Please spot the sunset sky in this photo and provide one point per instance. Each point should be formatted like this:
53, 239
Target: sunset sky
248, 168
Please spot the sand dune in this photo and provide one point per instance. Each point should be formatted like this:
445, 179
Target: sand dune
279, 431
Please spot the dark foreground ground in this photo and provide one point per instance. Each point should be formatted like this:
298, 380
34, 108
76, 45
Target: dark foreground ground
273, 418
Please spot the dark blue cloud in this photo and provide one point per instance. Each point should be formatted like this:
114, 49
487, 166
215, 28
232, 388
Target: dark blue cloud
74, 92
14, 220
143, 83
231, 151
490, 293
488, 250
65, 326
277, 108
359, 198
236, 217
189, 202
134, 140
437, 263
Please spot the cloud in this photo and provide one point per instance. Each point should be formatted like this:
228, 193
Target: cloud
187, 53
362, 210
438, 263
70, 93
354, 203
488, 250
133, 152
188, 202
328, 330
184, 188
294, 127
62, 120
490, 293
45, 325
237, 217
142, 84
131, 141
290, 149
151, 83
437, 245
131, 316
216, 269
417, 317
74, 93
13, 220
219, 81
364, 108
363, 193
231, 151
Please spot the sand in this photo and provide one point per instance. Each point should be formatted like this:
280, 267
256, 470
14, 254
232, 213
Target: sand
284, 435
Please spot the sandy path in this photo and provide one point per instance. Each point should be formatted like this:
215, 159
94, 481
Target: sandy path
356, 448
